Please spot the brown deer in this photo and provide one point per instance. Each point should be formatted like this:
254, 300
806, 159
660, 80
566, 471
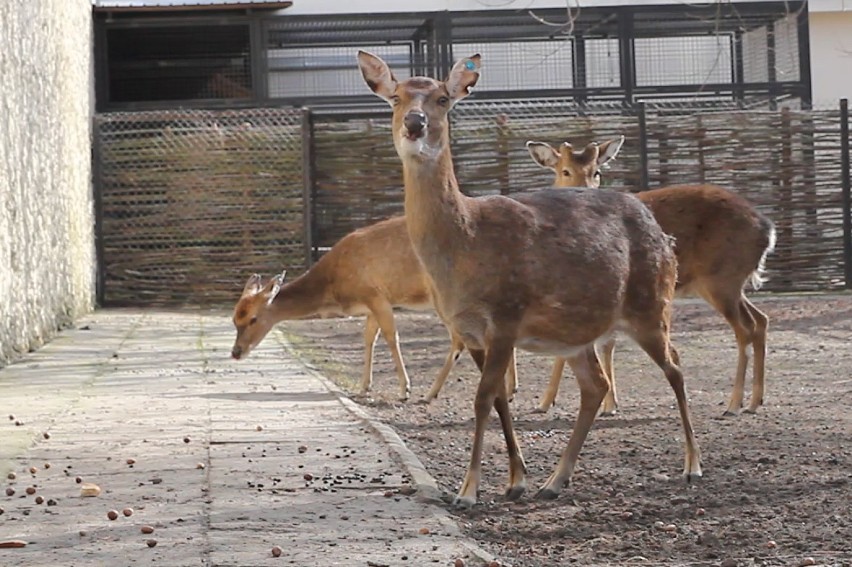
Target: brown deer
368, 272
550, 271
721, 242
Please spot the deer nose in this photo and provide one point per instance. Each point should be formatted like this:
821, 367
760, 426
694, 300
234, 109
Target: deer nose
415, 123
236, 352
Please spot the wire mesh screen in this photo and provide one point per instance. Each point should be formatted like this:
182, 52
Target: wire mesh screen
787, 162
193, 201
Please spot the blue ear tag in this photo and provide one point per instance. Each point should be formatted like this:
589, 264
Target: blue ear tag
470, 65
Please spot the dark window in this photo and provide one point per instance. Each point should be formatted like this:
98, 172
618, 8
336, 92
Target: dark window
179, 63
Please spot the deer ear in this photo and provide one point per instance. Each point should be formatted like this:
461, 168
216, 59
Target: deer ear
253, 285
274, 286
377, 75
463, 77
543, 154
609, 149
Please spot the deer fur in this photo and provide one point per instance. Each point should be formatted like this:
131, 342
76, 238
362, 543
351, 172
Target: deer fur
551, 271
368, 272
721, 243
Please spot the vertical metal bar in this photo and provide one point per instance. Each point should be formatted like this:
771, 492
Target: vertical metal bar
308, 184
738, 68
258, 58
578, 63
803, 38
771, 70
847, 191
97, 189
643, 147
626, 54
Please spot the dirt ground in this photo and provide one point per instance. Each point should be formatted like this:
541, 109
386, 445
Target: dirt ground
777, 486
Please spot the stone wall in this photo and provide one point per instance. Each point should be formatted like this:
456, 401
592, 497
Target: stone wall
47, 258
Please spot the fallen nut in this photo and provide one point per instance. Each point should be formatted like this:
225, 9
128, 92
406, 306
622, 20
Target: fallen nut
82, 533
11, 417
11, 476
276, 551
46, 465
10, 491
302, 448
424, 531
78, 480
112, 515
458, 562
39, 499
127, 512
185, 440
31, 490
33, 470
12, 543
200, 466
771, 544
131, 461
46, 435
89, 489
147, 529
259, 428
151, 542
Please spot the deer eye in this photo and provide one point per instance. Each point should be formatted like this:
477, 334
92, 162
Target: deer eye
253, 320
444, 101
566, 173
394, 100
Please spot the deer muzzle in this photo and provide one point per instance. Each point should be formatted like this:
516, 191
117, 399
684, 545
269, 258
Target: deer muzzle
415, 124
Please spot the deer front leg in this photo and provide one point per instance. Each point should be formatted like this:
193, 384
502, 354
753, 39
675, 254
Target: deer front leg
761, 324
456, 349
371, 333
549, 397
593, 387
491, 392
512, 376
384, 315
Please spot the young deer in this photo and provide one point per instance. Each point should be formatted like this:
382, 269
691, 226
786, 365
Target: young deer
721, 242
368, 272
550, 271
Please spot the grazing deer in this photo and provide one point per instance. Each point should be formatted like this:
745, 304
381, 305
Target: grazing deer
550, 271
721, 242
368, 272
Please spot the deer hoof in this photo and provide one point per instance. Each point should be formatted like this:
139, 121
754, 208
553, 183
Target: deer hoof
540, 409
547, 494
515, 492
729, 413
463, 502
608, 413
751, 410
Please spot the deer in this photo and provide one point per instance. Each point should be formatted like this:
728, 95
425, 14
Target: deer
552, 271
721, 244
368, 272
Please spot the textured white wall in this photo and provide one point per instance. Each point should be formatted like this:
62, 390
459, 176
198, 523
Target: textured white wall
831, 57
47, 260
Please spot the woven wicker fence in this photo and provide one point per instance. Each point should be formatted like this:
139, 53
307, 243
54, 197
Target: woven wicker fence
788, 162
192, 202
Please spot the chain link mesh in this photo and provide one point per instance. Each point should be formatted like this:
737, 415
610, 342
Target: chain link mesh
192, 201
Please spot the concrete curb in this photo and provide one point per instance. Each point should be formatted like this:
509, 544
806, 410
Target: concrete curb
427, 486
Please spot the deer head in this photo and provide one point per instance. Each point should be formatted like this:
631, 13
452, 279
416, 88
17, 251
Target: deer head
575, 169
251, 314
420, 104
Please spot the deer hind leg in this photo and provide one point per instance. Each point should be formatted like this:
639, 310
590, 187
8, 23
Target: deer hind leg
491, 392
729, 304
384, 315
456, 349
761, 325
593, 388
371, 333
610, 403
549, 397
512, 376
655, 342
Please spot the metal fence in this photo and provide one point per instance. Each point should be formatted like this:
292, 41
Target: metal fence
192, 201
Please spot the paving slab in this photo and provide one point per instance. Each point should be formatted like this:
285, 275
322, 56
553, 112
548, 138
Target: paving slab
224, 459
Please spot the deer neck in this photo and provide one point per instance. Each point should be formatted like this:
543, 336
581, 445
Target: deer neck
302, 298
438, 215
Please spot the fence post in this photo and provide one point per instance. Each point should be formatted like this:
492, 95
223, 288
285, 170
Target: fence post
643, 147
847, 192
308, 184
98, 189
501, 121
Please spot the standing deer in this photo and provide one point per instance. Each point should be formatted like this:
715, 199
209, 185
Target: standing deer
551, 271
368, 272
721, 242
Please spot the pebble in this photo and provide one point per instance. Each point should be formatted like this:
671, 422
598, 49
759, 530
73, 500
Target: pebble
806, 561
112, 514
276, 551
151, 542
302, 448
147, 529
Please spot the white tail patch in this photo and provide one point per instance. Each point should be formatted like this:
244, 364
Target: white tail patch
757, 278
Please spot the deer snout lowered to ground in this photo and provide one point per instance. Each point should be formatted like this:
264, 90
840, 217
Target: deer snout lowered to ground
368, 272
551, 271
721, 243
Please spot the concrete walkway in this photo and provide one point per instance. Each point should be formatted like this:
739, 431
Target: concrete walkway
224, 459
